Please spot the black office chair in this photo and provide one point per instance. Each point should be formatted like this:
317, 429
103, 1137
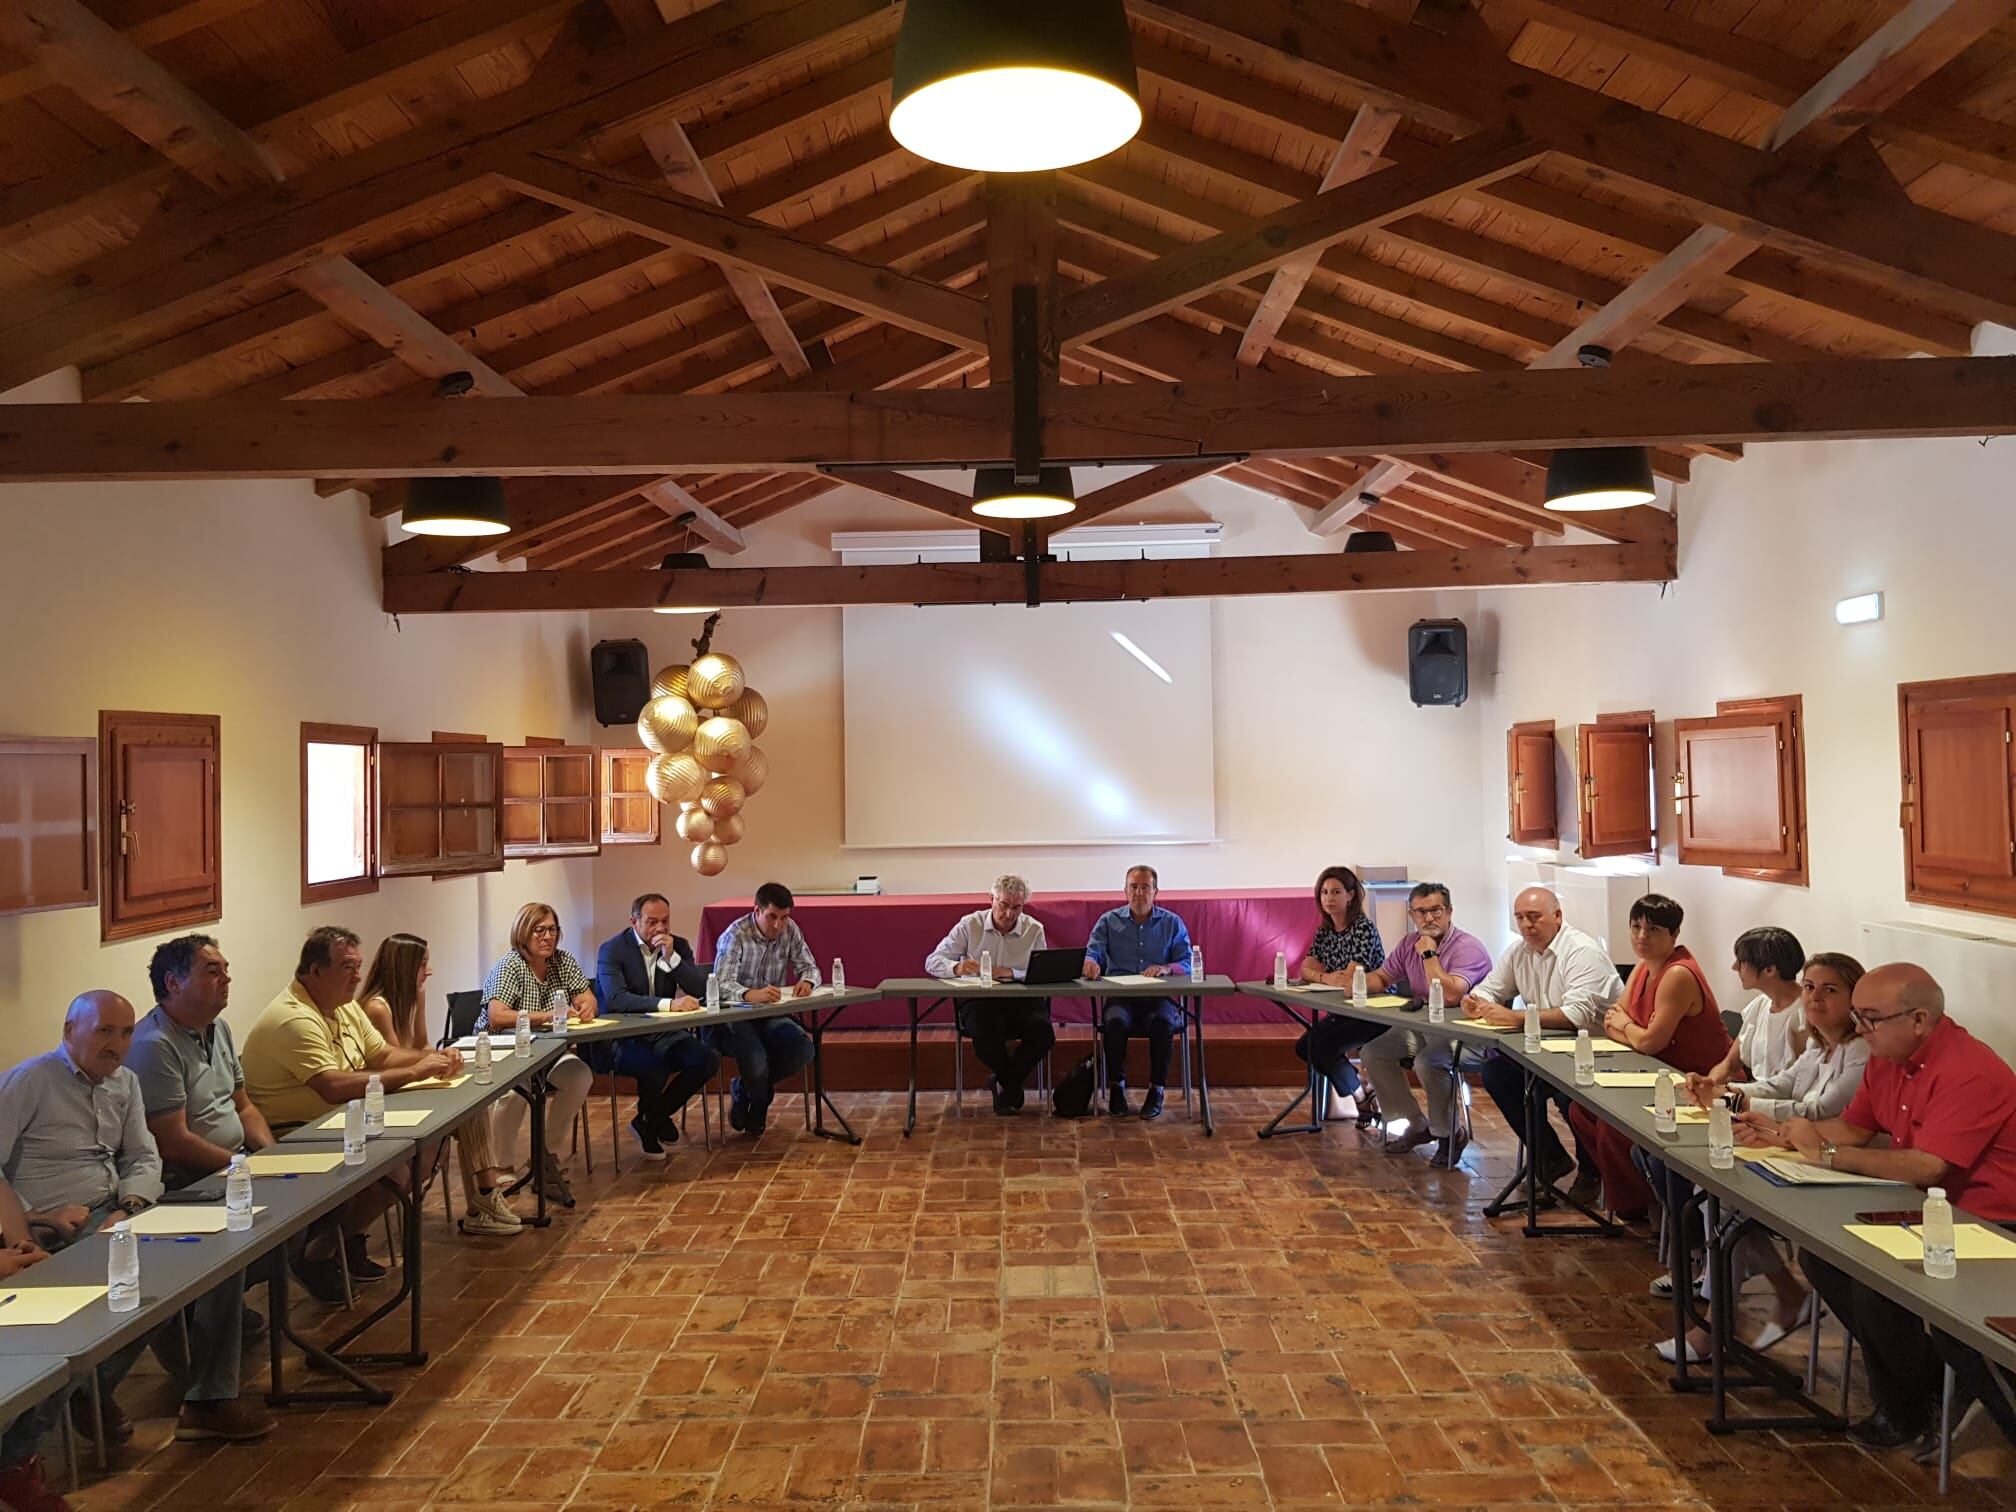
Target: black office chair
1732, 1021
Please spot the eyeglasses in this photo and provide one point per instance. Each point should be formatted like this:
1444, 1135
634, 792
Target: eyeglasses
545, 929
1436, 912
1870, 1021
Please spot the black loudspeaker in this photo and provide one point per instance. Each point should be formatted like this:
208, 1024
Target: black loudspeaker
1438, 662
621, 671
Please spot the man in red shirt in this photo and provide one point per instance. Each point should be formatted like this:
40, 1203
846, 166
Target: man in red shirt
1936, 1108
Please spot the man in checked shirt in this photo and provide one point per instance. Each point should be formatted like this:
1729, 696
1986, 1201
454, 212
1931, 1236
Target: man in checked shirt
762, 958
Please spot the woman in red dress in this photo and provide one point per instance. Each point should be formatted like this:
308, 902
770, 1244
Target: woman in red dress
1668, 1011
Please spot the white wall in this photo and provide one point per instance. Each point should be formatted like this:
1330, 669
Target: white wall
1321, 758
1766, 547
256, 602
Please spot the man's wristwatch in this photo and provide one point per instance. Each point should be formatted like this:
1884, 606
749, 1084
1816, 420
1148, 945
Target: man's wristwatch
1429, 955
1827, 1154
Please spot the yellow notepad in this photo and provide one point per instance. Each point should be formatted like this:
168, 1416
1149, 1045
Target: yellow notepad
1683, 1114
1971, 1241
435, 1084
289, 1163
395, 1118
1469, 1023
1627, 1078
180, 1218
25, 1306
1600, 1046
1386, 1000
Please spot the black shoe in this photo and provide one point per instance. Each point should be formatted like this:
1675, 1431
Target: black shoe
1554, 1164
738, 1107
251, 1329
1017, 1095
1881, 1431
1151, 1105
1116, 1100
362, 1266
667, 1130
757, 1120
1449, 1152
118, 1426
647, 1140
321, 1280
1004, 1103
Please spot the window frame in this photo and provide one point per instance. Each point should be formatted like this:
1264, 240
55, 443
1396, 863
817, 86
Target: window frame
1586, 797
118, 921
612, 794
439, 749
1989, 892
84, 749
544, 751
313, 733
1515, 771
1787, 712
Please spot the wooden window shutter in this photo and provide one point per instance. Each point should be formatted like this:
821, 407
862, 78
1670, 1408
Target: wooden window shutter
48, 824
1618, 818
1959, 812
162, 850
439, 808
1739, 799
550, 801
630, 815
1530, 796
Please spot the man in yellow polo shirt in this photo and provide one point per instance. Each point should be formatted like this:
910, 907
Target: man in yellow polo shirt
313, 1049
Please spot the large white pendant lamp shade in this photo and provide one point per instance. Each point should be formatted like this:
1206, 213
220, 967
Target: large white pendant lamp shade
1014, 86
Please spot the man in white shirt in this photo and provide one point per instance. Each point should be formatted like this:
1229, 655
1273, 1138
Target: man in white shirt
1570, 978
1008, 936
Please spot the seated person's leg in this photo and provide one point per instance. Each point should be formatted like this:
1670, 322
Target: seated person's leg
1505, 1082
790, 1049
1436, 1066
1030, 1023
211, 1406
1164, 1019
692, 1062
642, 1059
1331, 1043
569, 1080
1116, 1026
1974, 1381
1385, 1062
751, 1087
987, 1026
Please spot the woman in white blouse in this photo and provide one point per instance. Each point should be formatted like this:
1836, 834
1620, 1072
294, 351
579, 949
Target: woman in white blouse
1768, 961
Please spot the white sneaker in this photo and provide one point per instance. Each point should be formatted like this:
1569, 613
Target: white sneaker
493, 1203
480, 1220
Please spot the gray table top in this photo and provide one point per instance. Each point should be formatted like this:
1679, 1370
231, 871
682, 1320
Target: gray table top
617, 1026
445, 1107
1813, 1217
967, 987
174, 1272
26, 1380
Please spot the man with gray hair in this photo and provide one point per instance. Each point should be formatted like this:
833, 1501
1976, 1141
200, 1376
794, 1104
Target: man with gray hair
1008, 936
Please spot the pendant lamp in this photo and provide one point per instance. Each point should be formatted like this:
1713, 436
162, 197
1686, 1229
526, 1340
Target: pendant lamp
455, 507
685, 561
998, 496
1598, 477
1014, 86
1359, 542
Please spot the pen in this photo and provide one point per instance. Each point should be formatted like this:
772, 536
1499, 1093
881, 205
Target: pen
170, 1238
8, 1298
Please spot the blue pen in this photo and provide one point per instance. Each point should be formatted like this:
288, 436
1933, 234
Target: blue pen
8, 1298
171, 1238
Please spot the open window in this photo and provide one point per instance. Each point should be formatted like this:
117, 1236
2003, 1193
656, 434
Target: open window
339, 819
1739, 790
48, 824
161, 850
1530, 796
550, 806
1959, 810
629, 813
1617, 811
440, 808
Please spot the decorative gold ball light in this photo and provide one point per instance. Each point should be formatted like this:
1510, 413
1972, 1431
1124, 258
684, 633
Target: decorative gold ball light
667, 724
752, 710
714, 681
709, 859
754, 771
722, 745
670, 681
722, 797
677, 778
729, 830
694, 823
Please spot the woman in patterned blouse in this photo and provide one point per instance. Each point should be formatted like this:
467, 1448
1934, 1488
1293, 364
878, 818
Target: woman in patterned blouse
1345, 939
524, 981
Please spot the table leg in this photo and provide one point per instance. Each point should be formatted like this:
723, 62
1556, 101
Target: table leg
97, 1419
539, 1218
821, 1103
1315, 1087
69, 1431
408, 1292
280, 1326
1946, 1432
910, 1122
1203, 1075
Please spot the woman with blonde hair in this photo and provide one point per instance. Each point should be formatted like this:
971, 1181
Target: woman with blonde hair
537, 977
395, 1000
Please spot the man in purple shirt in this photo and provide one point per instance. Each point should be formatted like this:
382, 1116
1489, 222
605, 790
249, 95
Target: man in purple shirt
1434, 951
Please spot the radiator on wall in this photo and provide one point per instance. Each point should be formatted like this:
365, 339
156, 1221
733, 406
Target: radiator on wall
1978, 972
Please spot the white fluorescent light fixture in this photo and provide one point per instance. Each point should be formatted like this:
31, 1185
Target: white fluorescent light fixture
1862, 609
1142, 657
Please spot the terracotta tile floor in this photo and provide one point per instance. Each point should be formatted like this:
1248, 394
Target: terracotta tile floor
1026, 1313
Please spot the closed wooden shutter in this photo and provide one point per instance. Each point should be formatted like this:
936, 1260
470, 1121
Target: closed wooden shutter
630, 815
48, 824
439, 808
1959, 812
1738, 790
1533, 818
550, 806
162, 847
1616, 789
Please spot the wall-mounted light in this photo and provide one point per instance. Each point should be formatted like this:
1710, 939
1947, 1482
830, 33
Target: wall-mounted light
1862, 609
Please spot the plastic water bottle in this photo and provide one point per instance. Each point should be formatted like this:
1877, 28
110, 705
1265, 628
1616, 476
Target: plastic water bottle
522, 1040
1585, 1059
713, 990
1280, 968
238, 1195
374, 1106
483, 1060
122, 1272
1721, 1136
840, 976
353, 1132
1664, 1102
986, 968
1531, 1038
556, 1004
1196, 965
1436, 1012
1936, 1227
1359, 992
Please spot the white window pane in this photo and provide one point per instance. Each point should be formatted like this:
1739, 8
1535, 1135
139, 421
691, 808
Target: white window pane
337, 815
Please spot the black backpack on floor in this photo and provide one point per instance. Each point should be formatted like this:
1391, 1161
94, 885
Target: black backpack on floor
1072, 1096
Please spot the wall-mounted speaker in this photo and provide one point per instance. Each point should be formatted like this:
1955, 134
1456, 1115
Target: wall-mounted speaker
1438, 662
621, 672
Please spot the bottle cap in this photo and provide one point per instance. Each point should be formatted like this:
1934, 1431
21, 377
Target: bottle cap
1939, 1192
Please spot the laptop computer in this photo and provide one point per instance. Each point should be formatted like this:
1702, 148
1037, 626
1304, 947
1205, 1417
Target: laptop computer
1049, 967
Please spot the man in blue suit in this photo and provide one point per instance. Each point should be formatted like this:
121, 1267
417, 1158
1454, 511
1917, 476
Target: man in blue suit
649, 969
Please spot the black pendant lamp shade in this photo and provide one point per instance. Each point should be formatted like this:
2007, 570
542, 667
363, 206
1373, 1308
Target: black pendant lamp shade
1360, 542
998, 496
685, 561
1599, 477
1014, 86
455, 507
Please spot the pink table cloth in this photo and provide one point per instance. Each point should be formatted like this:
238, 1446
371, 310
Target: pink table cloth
889, 935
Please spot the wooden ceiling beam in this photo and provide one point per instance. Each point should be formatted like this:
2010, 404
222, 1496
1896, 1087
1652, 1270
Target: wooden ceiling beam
734, 240
669, 498
1006, 582
144, 24
1458, 88
376, 313
822, 426
1145, 484
947, 502
1480, 522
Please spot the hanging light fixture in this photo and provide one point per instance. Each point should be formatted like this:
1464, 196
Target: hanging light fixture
686, 561
998, 496
1359, 542
1598, 477
1014, 86
455, 507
